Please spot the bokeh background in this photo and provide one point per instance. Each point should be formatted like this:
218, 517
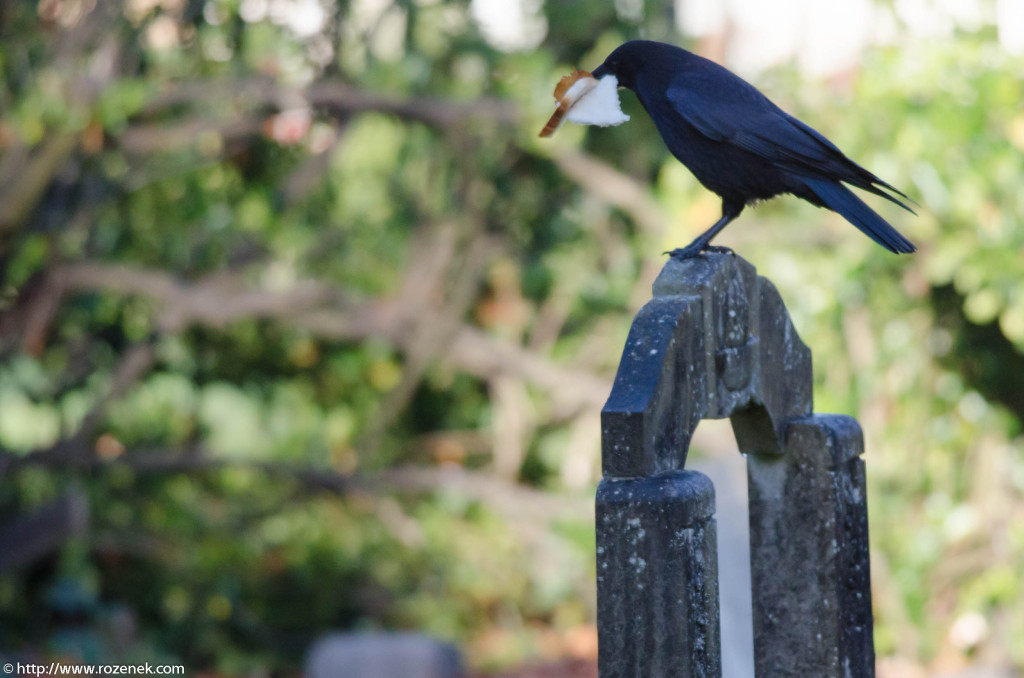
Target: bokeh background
299, 312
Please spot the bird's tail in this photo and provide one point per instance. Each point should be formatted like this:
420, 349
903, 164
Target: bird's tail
840, 199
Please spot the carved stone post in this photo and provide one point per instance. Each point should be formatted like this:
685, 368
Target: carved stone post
809, 553
715, 342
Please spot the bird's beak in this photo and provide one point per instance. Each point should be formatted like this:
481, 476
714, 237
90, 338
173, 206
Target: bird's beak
586, 100
600, 71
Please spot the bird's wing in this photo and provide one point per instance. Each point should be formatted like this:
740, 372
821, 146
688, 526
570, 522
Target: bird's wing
736, 113
733, 112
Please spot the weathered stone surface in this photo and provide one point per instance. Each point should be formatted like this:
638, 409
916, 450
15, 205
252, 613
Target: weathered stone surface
715, 342
657, 577
658, 396
382, 655
808, 553
782, 376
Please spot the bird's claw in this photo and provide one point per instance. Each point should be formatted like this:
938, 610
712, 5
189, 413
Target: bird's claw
682, 253
690, 252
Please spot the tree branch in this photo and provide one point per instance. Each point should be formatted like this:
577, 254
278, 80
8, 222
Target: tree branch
338, 315
507, 498
21, 195
614, 188
261, 96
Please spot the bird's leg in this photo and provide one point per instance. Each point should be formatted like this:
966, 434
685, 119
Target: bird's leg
702, 243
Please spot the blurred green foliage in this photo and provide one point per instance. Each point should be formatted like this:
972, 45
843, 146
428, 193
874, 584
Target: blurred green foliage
262, 467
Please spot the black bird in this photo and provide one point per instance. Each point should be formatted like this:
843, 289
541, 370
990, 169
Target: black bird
742, 146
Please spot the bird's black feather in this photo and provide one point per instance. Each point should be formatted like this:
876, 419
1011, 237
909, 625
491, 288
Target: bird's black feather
840, 199
741, 145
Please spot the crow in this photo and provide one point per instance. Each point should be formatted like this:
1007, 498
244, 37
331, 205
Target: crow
742, 146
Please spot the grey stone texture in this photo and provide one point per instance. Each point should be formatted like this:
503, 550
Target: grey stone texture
657, 576
809, 559
382, 655
715, 342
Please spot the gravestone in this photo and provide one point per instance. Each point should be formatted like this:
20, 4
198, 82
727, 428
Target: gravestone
382, 655
715, 341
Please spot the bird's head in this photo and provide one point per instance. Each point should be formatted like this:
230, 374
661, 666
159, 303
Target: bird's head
643, 59
625, 62
591, 98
